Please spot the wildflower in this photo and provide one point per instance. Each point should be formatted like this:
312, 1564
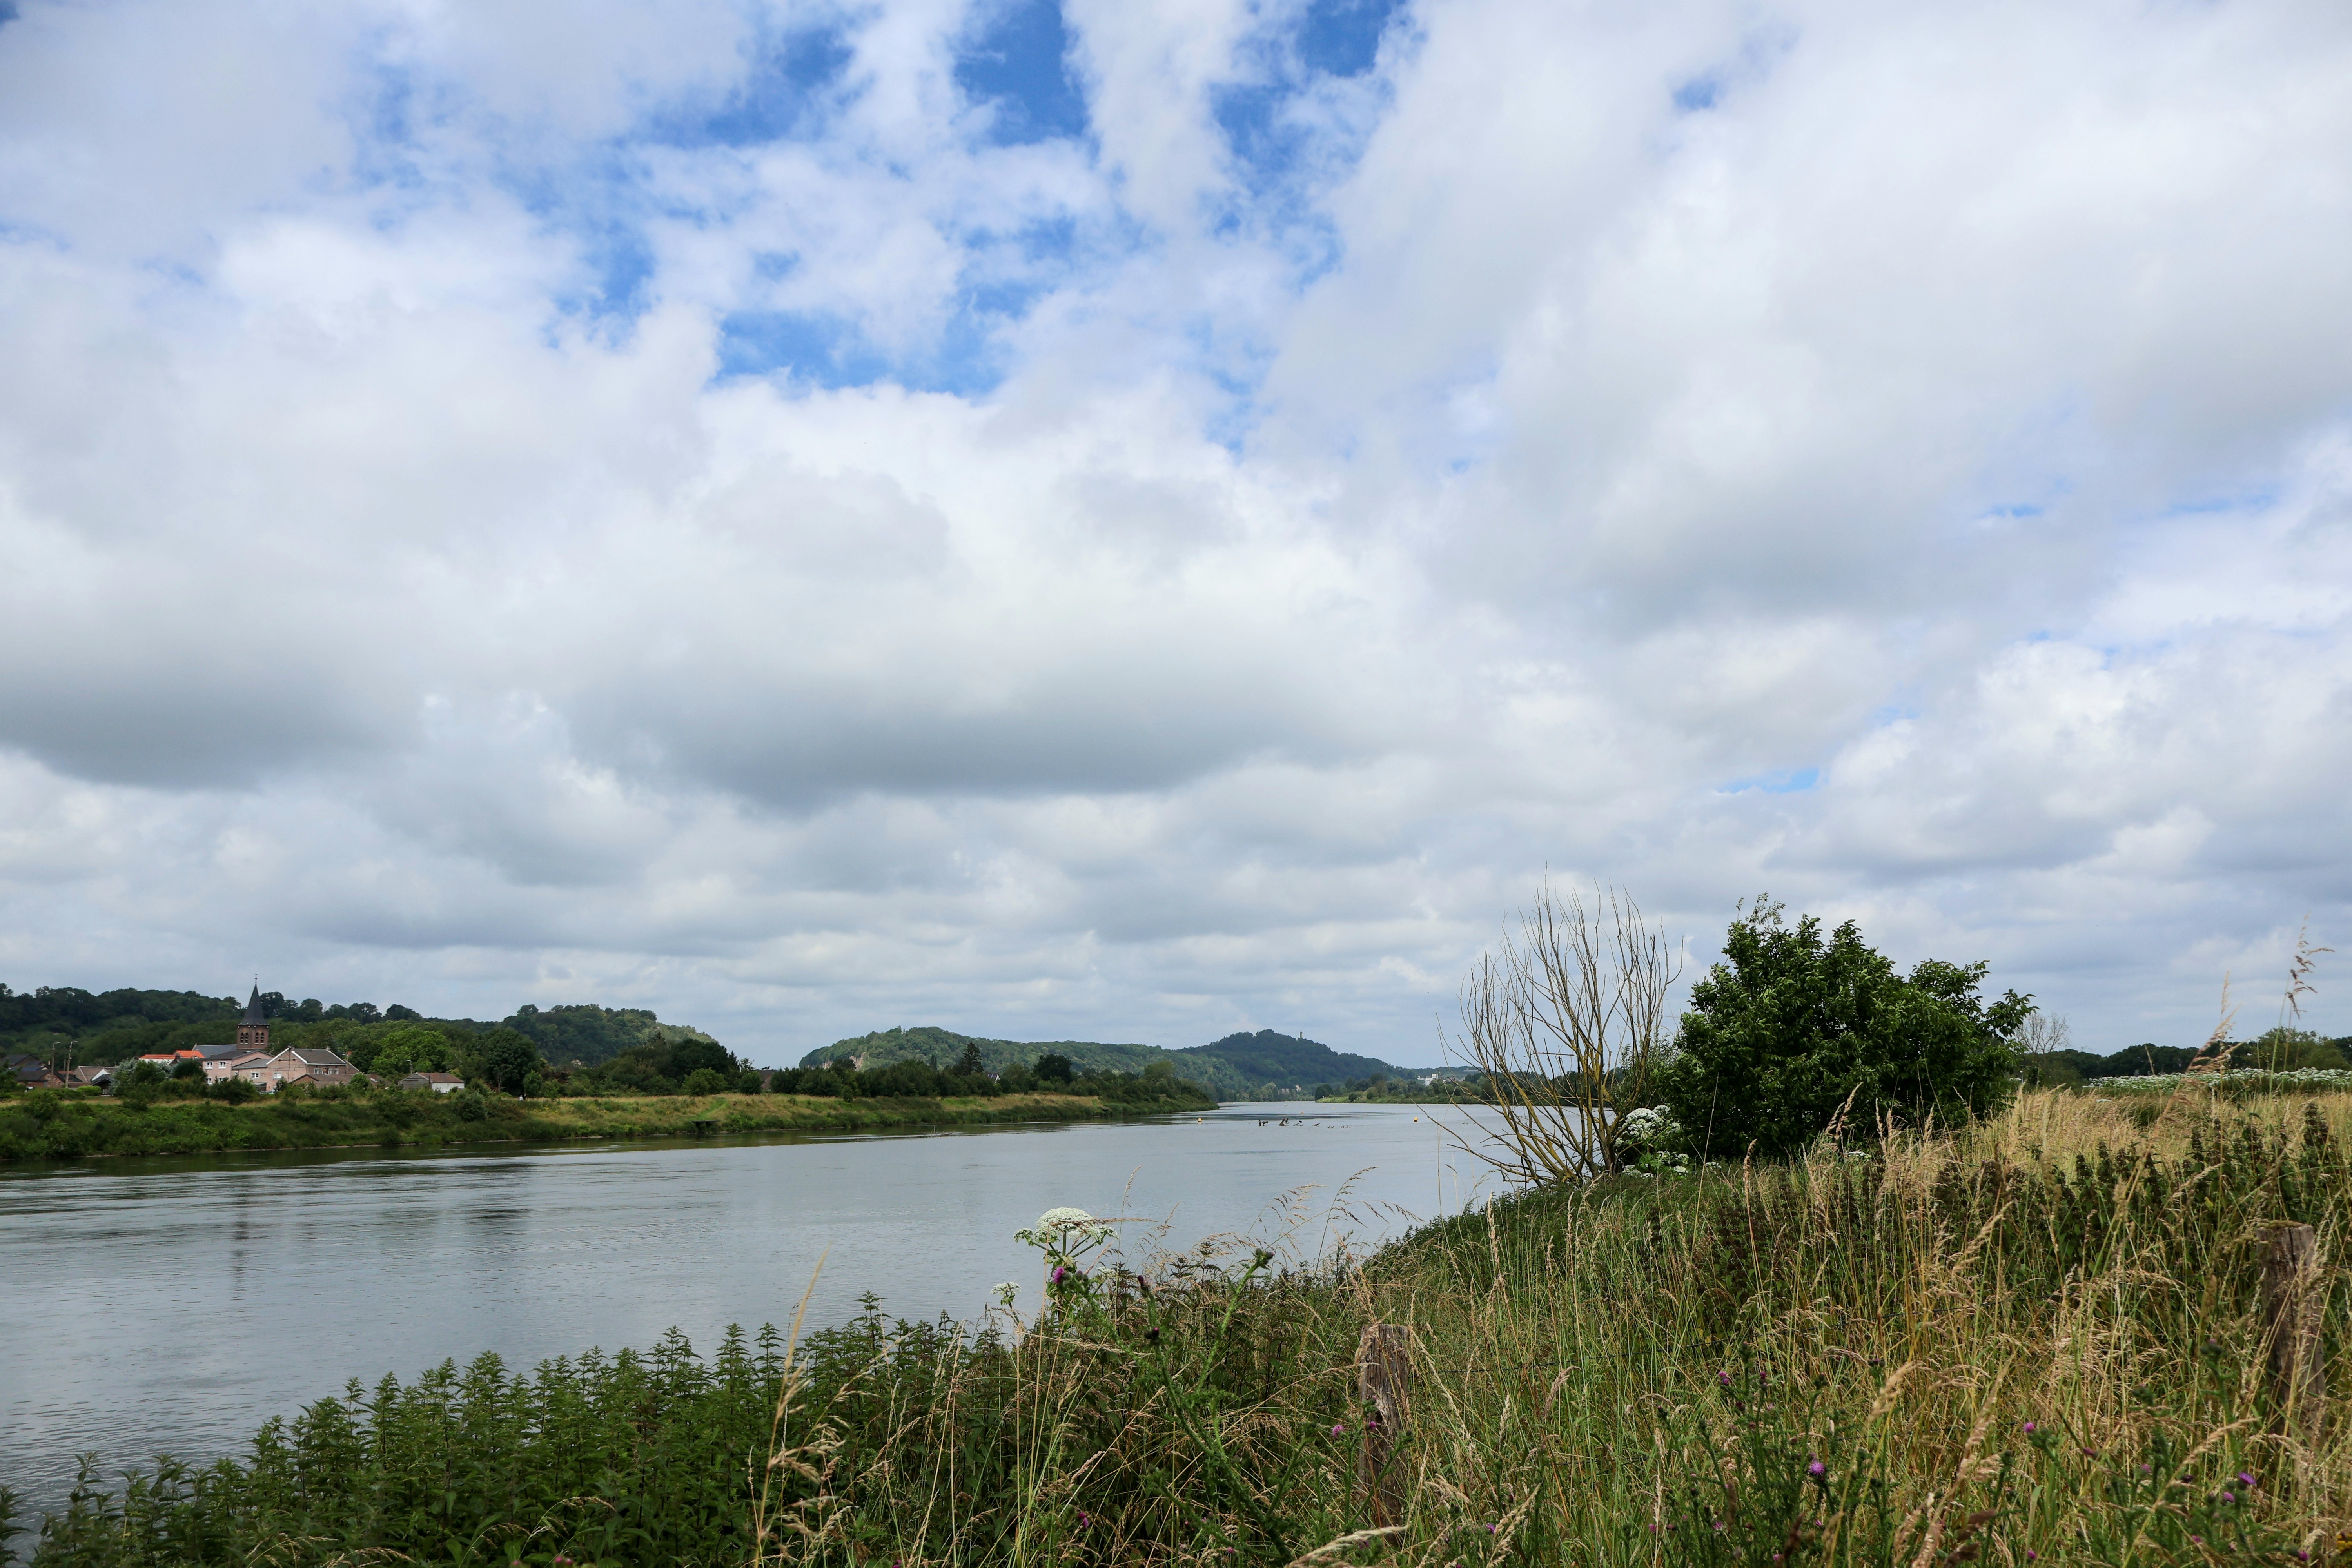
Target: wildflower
2033, 1556
2228, 1497
1085, 1518
1339, 1428
1724, 1378
1059, 1274
2031, 1428
2244, 1479
1817, 1470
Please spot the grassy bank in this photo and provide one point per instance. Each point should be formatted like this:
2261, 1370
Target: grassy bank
2037, 1342
51, 1125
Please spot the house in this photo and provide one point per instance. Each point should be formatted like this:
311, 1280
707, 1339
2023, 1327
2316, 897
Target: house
251, 1065
31, 1072
88, 1078
313, 1065
438, 1082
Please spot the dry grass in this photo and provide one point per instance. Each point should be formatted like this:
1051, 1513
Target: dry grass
2039, 1339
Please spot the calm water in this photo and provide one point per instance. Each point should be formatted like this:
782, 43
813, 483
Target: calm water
172, 1306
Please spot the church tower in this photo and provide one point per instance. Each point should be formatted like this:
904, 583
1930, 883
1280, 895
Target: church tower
253, 1029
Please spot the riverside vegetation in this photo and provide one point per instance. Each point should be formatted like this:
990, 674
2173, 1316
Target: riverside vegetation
179, 1117
2037, 1338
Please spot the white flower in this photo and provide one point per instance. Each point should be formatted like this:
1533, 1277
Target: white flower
1065, 1230
1005, 1292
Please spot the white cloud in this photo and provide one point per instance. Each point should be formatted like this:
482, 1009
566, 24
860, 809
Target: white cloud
1907, 472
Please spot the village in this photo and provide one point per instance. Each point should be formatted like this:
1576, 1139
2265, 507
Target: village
248, 1057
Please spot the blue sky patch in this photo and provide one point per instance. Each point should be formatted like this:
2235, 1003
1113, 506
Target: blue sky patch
1791, 781
1701, 92
1019, 62
1343, 38
781, 96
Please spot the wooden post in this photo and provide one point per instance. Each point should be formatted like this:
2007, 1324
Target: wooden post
1384, 1381
2293, 1298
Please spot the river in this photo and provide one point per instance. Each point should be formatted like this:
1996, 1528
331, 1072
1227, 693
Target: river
173, 1305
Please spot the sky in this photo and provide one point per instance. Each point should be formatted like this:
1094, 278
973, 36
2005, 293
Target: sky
1144, 519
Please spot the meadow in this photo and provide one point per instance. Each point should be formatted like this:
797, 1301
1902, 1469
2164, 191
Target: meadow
2040, 1338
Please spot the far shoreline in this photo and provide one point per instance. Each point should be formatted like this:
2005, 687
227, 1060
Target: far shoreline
87, 1128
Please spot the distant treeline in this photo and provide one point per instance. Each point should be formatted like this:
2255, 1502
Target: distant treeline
2278, 1050
1260, 1066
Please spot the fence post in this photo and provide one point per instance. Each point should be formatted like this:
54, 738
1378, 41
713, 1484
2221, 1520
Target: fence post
1384, 1381
2293, 1299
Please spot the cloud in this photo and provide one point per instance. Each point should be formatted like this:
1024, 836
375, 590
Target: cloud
1135, 522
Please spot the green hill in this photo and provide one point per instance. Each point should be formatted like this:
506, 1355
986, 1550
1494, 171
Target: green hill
1262, 1065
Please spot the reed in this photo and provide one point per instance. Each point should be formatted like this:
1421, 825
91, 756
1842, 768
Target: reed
2041, 1339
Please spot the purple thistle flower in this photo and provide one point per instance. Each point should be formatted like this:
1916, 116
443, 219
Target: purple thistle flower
1339, 1428
2244, 1479
2031, 1428
1817, 1470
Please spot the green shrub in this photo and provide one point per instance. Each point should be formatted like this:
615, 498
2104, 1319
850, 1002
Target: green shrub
1793, 1028
706, 1080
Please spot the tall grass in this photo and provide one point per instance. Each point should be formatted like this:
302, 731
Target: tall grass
2037, 1339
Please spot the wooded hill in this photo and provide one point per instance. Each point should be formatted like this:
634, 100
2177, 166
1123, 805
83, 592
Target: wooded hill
106, 1028
1262, 1065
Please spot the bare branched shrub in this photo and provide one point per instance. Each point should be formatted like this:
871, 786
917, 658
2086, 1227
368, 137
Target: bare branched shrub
2043, 1032
1566, 1021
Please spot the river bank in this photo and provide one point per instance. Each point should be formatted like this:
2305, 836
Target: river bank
1970, 1347
51, 1125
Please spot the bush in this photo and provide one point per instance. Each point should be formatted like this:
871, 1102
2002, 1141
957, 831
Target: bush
706, 1080
750, 1081
1791, 1028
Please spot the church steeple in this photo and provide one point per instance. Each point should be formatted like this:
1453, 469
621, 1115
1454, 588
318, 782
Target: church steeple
253, 1029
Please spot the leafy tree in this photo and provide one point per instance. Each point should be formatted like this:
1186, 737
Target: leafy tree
706, 1080
1791, 1027
969, 1065
399, 1052
688, 1057
750, 1081
508, 1059
1052, 1068
398, 1012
